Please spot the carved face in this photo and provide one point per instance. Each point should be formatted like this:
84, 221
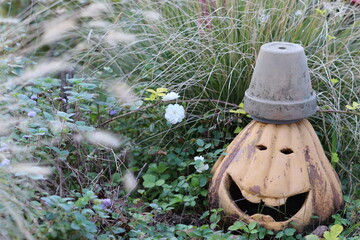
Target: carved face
274, 175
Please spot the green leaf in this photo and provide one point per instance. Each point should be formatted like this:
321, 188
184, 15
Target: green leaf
279, 234
205, 214
354, 106
118, 230
65, 116
88, 86
252, 225
200, 149
85, 128
327, 236
289, 231
208, 145
236, 226
90, 226
200, 142
75, 226
160, 182
151, 90
85, 96
161, 167
116, 178
151, 98
336, 229
238, 129
322, 12
334, 80
81, 202
253, 237
149, 180
312, 237
87, 211
218, 151
334, 157
252, 231
66, 207
161, 90
48, 116
203, 181
239, 111
349, 107
76, 81
204, 192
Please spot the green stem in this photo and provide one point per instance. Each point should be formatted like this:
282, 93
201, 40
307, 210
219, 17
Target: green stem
210, 100
338, 111
173, 101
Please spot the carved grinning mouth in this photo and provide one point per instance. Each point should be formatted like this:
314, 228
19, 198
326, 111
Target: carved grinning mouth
279, 213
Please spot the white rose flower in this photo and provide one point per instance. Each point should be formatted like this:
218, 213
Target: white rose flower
199, 164
170, 96
199, 158
174, 113
202, 168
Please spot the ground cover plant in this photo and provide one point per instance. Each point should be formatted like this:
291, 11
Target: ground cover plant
114, 112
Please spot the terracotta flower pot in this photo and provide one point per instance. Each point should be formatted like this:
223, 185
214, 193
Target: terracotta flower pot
280, 89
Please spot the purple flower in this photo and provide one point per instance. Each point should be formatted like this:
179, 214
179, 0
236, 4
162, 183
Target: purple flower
112, 112
34, 97
31, 114
105, 203
3, 147
5, 162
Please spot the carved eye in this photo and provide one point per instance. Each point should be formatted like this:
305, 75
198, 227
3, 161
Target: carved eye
286, 151
261, 147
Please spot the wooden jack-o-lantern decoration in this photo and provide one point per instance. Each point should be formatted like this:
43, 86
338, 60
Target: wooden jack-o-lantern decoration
277, 174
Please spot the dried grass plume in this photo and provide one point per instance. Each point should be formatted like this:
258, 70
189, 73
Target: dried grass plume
95, 9
151, 16
114, 38
103, 138
30, 169
41, 69
9, 20
123, 93
130, 181
58, 29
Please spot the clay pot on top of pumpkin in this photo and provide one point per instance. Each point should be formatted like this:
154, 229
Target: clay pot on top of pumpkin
275, 171
280, 90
